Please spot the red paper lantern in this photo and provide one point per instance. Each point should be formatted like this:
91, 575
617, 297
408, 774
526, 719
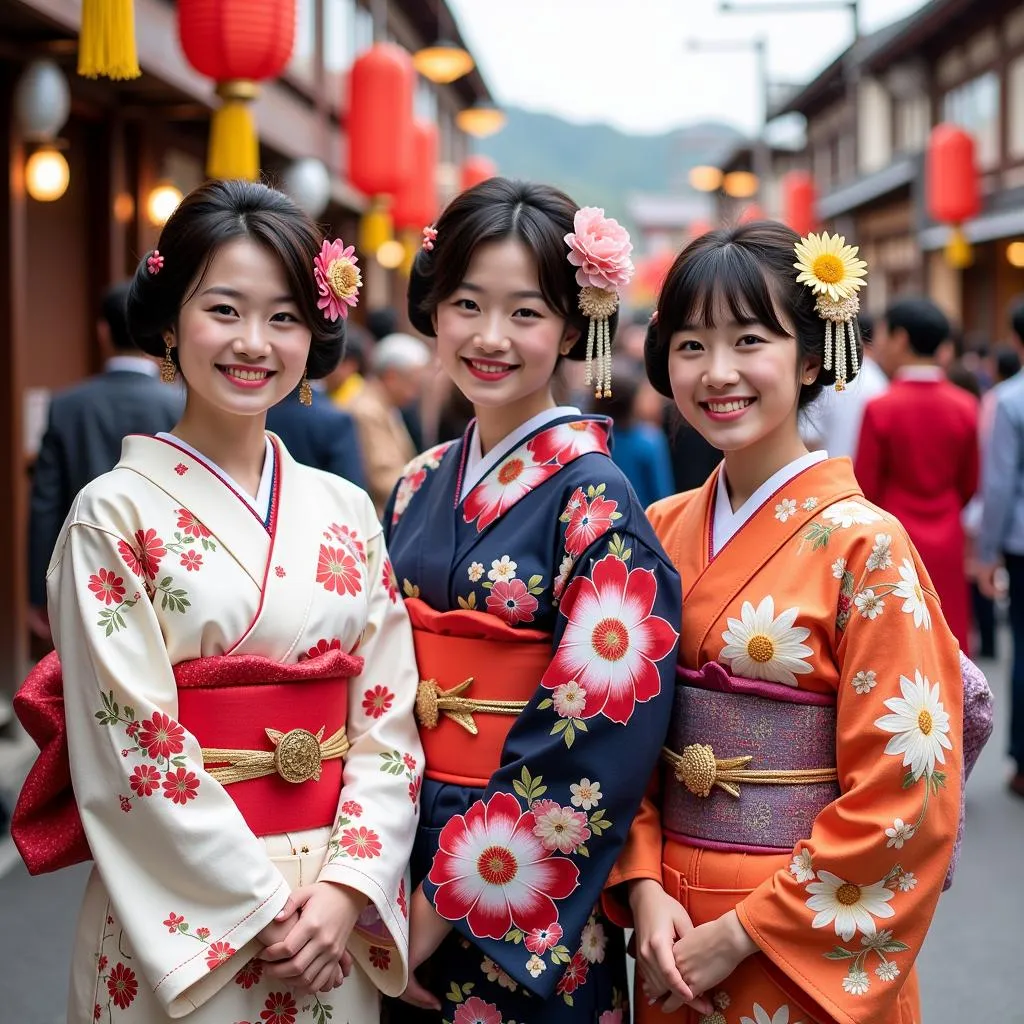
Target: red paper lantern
379, 125
951, 174
415, 203
237, 43
799, 202
476, 169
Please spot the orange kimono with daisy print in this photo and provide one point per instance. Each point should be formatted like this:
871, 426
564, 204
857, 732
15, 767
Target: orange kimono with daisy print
815, 636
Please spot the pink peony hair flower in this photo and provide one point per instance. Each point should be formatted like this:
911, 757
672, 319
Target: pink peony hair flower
429, 238
337, 278
599, 247
154, 262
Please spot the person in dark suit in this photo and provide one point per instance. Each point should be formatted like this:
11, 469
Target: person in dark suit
319, 435
85, 427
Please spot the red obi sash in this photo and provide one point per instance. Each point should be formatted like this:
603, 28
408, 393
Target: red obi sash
226, 701
477, 673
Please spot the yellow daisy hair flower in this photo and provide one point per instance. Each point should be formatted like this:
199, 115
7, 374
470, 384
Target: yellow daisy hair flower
828, 266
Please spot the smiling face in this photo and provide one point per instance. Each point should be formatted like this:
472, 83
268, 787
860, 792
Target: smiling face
241, 345
497, 338
738, 382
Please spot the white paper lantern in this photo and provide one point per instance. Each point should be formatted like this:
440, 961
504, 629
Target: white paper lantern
42, 101
308, 182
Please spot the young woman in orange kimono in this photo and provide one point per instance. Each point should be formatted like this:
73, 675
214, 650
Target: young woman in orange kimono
789, 859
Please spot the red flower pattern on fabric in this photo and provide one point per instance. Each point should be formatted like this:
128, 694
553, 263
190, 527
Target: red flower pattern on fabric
540, 940
122, 986
280, 1008
409, 761
414, 788
279, 572
203, 933
509, 481
107, 586
574, 976
511, 601
493, 871
173, 920
352, 808
322, 647
219, 953
587, 521
150, 549
181, 469
188, 522
390, 581
337, 571
380, 957
362, 843
565, 441
192, 561
250, 973
475, 1011
377, 702
350, 538
403, 904
97, 1012
145, 780
612, 642
181, 786
130, 556
161, 736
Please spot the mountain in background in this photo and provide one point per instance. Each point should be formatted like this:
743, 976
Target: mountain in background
598, 165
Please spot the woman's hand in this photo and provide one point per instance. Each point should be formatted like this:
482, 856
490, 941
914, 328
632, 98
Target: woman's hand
709, 953
312, 956
427, 930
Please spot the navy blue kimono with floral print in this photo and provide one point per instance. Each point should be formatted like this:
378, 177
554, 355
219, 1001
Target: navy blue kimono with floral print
552, 539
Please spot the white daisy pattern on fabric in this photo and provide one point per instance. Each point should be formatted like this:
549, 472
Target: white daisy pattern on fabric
869, 604
909, 589
856, 983
536, 966
761, 646
881, 553
801, 868
839, 568
920, 725
810, 504
780, 1016
864, 682
502, 569
785, 509
887, 971
585, 794
899, 833
849, 906
906, 881
850, 513
475, 571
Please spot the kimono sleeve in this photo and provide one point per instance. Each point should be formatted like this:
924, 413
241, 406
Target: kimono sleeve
846, 920
379, 805
556, 813
189, 882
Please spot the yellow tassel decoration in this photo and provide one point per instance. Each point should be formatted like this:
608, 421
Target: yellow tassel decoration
106, 43
234, 147
958, 251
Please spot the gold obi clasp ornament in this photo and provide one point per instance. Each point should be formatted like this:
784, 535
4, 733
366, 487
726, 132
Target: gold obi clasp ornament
297, 757
700, 771
432, 702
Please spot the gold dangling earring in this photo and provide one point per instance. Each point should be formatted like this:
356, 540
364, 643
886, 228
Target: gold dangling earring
168, 371
305, 390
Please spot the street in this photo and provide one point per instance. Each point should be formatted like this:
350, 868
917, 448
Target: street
969, 966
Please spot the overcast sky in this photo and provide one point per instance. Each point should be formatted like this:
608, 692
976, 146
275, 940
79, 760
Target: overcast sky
626, 62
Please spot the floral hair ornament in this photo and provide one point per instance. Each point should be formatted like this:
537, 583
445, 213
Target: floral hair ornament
830, 268
154, 262
599, 248
337, 278
429, 238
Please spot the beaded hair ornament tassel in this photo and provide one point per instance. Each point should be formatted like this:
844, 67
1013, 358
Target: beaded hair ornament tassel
599, 248
831, 269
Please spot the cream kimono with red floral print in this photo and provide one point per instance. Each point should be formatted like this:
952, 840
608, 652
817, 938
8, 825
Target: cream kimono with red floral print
160, 562
820, 590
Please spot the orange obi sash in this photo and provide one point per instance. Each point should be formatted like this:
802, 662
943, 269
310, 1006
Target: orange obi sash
228, 702
477, 674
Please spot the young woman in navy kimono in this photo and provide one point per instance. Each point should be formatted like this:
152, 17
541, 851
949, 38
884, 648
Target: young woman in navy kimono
544, 614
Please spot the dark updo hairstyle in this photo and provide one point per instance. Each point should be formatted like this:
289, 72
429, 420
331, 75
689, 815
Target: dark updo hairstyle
749, 270
207, 218
539, 216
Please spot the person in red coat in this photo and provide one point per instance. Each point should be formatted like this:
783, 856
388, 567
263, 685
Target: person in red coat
918, 452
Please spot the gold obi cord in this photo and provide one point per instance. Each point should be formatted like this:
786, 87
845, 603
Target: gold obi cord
432, 702
296, 757
700, 771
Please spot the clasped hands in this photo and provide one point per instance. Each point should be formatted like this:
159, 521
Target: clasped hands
676, 961
305, 943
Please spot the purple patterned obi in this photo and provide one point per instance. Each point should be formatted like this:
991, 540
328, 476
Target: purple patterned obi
751, 764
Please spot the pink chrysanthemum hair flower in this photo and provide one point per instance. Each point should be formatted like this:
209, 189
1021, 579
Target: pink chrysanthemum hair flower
429, 238
338, 279
599, 248
154, 262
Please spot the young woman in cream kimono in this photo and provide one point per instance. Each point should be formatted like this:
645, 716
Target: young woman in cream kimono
788, 865
238, 668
